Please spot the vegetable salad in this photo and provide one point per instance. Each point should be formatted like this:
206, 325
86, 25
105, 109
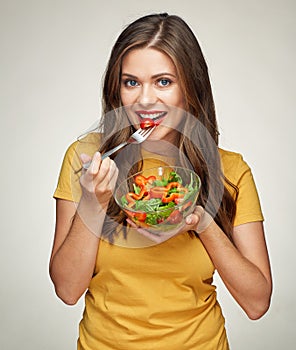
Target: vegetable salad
159, 201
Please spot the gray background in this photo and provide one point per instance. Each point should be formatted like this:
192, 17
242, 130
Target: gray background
53, 54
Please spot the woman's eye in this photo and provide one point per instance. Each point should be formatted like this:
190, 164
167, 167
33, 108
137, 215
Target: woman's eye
164, 82
130, 83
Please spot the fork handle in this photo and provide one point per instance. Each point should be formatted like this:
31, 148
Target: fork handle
113, 150
106, 154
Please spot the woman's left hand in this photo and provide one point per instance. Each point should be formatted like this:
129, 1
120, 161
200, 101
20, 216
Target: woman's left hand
197, 221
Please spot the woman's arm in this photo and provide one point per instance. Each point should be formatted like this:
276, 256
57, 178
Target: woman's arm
243, 266
74, 253
78, 230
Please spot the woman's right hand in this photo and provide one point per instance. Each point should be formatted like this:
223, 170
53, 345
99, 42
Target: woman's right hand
78, 229
98, 181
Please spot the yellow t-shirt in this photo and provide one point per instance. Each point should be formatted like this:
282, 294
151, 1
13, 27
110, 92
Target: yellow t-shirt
156, 297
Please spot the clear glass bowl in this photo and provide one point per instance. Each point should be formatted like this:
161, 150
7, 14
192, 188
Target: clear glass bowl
158, 199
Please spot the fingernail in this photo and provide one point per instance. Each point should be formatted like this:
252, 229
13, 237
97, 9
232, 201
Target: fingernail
188, 220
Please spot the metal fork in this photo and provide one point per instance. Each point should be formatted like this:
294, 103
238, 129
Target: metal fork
137, 137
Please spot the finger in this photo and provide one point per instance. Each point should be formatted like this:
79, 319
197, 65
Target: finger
85, 158
113, 174
194, 218
106, 173
199, 220
144, 233
95, 164
160, 236
110, 177
90, 172
97, 170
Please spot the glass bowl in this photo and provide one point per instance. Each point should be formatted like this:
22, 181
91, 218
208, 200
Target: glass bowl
158, 199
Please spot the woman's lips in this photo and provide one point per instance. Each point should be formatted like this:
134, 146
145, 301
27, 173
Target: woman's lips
156, 116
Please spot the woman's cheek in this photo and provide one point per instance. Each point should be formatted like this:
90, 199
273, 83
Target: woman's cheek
128, 97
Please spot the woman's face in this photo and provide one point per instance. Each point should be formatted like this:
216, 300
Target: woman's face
150, 89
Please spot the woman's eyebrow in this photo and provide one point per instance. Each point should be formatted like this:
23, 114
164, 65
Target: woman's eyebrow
153, 76
163, 74
129, 75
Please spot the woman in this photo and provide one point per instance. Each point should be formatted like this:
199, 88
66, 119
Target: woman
158, 295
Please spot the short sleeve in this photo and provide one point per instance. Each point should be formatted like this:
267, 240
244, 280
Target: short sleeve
248, 208
68, 186
237, 171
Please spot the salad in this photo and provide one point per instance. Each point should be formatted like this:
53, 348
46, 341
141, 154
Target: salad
162, 201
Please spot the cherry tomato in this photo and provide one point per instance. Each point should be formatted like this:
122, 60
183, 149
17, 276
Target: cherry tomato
158, 192
140, 216
146, 123
175, 218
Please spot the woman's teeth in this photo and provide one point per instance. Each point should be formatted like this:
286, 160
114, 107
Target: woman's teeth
153, 116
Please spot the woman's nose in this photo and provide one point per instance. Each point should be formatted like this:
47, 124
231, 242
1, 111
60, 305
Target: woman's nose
147, 95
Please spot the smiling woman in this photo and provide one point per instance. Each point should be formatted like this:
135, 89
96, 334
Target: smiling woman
150, 85
147, 291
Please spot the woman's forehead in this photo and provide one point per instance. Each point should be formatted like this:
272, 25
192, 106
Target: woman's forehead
147, 61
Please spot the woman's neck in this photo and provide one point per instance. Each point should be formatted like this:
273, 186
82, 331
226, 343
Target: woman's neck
161, 147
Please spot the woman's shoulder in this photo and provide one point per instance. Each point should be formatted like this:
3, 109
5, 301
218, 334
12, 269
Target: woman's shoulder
233, 164
88, 144
68, 185
229, 156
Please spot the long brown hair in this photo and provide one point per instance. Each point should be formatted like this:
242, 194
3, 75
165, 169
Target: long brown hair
172, 36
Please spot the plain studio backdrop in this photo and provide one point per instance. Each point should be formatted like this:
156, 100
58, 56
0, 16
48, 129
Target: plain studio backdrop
53, 55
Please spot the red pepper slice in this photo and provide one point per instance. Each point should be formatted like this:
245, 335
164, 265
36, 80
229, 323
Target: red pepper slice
175, 196
130, 199
146, 197
171, 185
177, 185
150, 179
172, 197
135, 196
146, 123
141, 180
139, 216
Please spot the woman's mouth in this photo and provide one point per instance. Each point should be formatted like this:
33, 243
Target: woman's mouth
156, 116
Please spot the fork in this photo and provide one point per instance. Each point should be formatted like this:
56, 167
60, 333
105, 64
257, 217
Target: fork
137, 137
